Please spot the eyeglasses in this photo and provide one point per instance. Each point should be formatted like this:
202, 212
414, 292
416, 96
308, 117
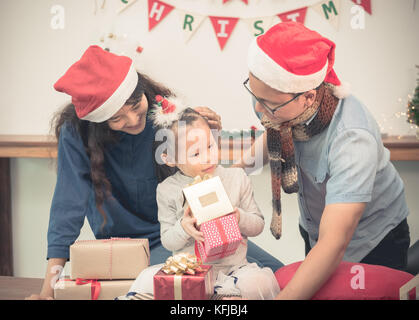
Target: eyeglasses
269, 110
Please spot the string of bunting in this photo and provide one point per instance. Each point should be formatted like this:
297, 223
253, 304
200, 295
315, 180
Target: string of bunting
224, 26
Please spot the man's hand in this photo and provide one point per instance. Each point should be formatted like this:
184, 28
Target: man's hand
337, 226
214, 120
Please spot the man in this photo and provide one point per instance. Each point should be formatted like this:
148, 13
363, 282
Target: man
324, 144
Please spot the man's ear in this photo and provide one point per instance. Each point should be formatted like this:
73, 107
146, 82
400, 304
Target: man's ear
167, 161
310, 97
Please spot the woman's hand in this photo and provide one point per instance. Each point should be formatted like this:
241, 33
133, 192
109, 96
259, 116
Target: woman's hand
189, 225
214, 120
54, 269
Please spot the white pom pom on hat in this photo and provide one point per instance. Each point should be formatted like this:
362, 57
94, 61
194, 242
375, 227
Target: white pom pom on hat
292, 58
166, 110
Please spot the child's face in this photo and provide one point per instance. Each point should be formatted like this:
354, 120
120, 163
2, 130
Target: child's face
130, 118
197, 149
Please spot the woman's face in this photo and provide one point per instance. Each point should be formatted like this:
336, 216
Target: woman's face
130, 118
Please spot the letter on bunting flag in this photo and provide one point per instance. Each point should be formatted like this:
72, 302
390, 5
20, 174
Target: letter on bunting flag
258, 26
330, 10
190, 22
157, 11
223, 27
298, 15
366, 4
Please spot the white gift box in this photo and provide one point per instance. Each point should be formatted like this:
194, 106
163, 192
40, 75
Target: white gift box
208, 200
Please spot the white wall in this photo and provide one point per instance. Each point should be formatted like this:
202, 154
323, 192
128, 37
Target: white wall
378, 62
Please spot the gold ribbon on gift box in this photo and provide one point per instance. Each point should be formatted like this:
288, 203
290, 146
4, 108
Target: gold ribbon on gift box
182, 263
178, 265
198, 179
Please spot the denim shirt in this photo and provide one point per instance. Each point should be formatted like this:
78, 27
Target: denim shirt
347, 163
132, 209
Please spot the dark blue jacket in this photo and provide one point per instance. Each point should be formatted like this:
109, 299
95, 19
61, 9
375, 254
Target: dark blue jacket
132, 209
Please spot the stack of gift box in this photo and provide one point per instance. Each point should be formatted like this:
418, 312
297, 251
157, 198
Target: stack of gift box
183, 276
103, 269
106, 269
215, 217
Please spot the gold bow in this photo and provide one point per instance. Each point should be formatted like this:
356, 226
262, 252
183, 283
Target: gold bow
198, 179
182, 263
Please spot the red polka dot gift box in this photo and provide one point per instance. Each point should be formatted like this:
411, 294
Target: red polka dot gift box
222, 238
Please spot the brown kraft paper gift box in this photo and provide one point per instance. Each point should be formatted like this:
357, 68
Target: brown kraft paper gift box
109, 259
81, 289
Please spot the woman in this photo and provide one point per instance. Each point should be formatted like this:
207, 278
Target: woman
106, 166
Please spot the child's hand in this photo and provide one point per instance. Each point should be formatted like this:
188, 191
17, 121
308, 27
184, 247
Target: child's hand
189, 225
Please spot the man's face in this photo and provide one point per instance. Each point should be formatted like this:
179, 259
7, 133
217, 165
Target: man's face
273, 98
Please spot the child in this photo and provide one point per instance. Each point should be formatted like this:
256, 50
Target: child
190, 150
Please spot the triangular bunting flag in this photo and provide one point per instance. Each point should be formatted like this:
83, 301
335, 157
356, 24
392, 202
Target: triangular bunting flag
258, 26
157, 11
366, 4
330, 10
223, 27
190, 22
123, 4
298, 15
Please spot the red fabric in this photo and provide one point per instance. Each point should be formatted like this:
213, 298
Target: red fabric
93, 79
299, 50
379, 283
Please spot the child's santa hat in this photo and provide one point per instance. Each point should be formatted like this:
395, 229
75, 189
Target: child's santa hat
99, 84
292, 58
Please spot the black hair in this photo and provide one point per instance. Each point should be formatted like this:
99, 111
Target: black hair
97, 137
187, 117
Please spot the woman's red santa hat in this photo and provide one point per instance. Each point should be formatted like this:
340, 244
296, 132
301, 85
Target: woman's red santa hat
292, 58
99, 84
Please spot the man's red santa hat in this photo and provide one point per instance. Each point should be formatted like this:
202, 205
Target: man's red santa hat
99, 84
292, 58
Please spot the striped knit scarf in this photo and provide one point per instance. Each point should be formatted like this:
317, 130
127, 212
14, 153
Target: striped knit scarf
281, 147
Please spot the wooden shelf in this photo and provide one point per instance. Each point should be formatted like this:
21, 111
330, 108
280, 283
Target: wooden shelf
405, 148
28, 146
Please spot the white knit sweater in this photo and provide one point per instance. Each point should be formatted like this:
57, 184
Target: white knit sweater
170, 212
